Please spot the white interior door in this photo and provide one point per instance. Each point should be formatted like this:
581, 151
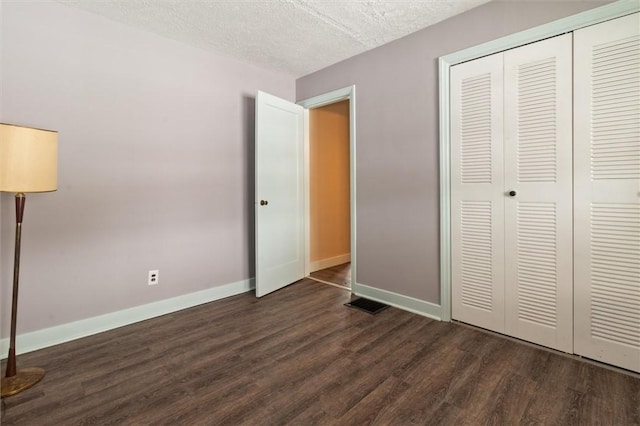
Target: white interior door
607, 192
477, 193
279, 209
538, 193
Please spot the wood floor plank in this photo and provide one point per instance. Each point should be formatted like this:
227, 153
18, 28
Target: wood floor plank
508, 404
426, 396
299, 357
375, 365
473, 387
313, 416
374, 405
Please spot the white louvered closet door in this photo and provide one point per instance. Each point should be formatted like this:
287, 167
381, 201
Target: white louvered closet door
477, 201
607, 192
538, 213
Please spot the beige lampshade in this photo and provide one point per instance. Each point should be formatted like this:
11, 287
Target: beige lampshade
28, 159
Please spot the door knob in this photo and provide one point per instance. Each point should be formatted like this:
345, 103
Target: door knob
512, 193
263, 202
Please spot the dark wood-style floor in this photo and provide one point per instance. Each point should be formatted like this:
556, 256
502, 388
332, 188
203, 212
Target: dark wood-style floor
300, 357
339, 275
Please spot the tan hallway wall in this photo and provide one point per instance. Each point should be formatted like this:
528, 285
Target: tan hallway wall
329, 182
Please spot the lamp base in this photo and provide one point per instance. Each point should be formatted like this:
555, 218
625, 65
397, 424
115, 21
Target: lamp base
24, 379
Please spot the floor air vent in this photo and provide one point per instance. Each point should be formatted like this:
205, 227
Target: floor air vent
366, 305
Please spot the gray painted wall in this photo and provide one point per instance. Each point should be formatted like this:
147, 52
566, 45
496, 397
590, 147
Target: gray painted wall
155, 164
397, 139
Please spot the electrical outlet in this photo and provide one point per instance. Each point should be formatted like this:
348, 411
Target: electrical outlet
153, 277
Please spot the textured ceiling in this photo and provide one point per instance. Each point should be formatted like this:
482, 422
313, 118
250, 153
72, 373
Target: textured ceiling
294, 36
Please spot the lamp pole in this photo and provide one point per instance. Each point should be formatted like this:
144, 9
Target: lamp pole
11, 359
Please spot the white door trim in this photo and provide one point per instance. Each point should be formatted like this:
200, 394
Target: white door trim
346, 93
561, 26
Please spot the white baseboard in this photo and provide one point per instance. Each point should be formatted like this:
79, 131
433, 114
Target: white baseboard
400, 301
44, 338
328, 263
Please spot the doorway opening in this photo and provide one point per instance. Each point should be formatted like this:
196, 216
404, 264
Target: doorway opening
329, 194
330, 182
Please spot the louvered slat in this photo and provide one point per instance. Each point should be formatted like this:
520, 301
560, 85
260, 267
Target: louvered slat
537, 121
537, 278
615, 279
477, 271
475, 123
615, 119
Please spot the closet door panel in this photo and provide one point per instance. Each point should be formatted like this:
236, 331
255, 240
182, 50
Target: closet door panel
538, 218
607, 192
477, 203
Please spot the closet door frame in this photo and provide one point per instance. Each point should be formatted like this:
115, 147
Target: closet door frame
561, 26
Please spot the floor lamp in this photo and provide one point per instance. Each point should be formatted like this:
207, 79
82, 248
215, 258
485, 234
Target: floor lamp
28, 163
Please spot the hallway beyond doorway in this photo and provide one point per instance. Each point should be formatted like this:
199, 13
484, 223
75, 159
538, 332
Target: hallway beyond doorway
339, 275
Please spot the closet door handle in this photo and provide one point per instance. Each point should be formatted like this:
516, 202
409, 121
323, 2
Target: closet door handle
263, 202
511, 193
